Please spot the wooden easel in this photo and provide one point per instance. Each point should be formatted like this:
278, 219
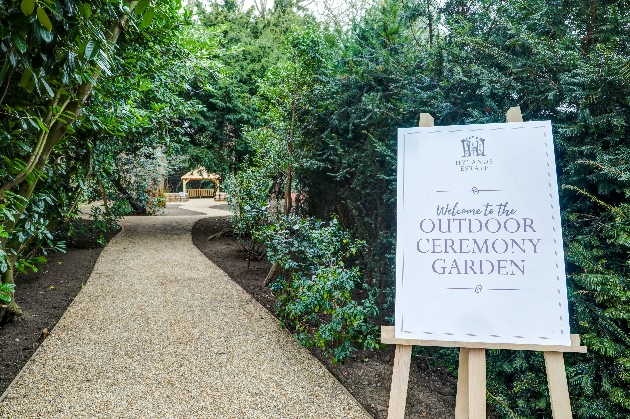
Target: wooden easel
471, 382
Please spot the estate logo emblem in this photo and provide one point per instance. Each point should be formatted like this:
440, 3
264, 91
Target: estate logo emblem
473, 146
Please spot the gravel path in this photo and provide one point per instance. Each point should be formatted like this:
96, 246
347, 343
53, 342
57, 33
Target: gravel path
159, 331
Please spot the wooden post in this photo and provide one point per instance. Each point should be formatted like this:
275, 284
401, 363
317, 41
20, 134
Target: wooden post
426, 120
402, 359
514, 114
400, 382
471, 384
476, 383
461, 399
558, 387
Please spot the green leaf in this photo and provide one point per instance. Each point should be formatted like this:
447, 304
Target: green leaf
27, 7
41, 125
147, 18
57, 11
4, 32
31, 85
43, 18
19, 43
46, 35
142, 6
26, 77
89, 78
82, 46
47, 87
96, 50
89, 48
87, 9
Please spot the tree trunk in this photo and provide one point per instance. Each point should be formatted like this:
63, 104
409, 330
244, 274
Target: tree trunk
271, 274
288, 201
287, 192
430, 20
137, 209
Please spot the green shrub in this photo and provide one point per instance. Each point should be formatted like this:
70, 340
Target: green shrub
248, 199
316, 290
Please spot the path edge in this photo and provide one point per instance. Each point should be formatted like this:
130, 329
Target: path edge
19, 374
282, 329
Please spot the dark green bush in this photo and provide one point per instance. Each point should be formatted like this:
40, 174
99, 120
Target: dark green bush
315, 289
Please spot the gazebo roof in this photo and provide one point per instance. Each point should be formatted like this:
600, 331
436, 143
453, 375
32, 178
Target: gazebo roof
200, 174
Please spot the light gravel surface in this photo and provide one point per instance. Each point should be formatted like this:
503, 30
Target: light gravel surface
159, 331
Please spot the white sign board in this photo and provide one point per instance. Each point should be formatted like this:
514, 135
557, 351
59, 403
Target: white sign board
479, 245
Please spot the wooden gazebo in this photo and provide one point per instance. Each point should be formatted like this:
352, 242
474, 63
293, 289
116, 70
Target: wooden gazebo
201, 174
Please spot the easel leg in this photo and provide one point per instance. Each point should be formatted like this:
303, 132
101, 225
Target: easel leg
461, 401
477, 383
558, 387
400, 381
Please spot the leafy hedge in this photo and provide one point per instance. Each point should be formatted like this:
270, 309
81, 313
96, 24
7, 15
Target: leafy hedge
468, 62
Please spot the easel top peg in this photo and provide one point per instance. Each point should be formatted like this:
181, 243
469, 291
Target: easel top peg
514, 114
426, 120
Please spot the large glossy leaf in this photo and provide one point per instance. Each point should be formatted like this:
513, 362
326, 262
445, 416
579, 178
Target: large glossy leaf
89, 78
47, 87
13, 58
45, 34
19, 42
82, 46
27, 6
147, 18
104, 66
142, 6
43, 18
32, 84
26, 77
89, 49
57, 10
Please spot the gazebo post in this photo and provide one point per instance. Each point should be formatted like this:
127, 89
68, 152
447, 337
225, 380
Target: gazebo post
185, 185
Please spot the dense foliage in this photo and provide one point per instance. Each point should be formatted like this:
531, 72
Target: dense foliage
463, 62
101, 100
92, 100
